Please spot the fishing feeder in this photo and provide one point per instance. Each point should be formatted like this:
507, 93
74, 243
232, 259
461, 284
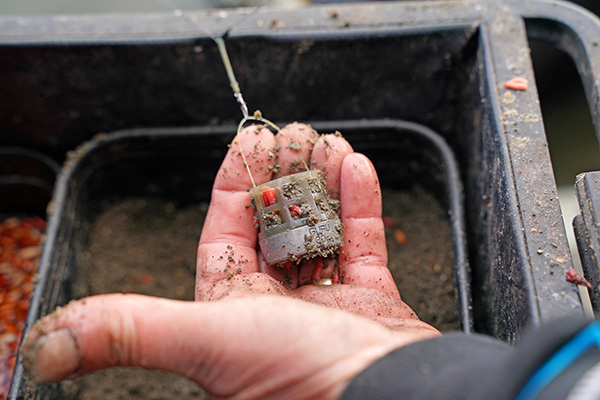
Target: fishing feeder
296, 218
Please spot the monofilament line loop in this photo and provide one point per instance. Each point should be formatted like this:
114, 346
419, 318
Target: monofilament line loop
257, 117
237, 140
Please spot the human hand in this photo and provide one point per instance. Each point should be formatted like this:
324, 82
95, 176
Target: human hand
247, 344
229, 264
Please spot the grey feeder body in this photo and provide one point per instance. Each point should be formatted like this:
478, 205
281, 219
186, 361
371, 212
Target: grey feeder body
296, 218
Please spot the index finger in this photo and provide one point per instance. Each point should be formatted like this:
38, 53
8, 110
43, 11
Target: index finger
228, 240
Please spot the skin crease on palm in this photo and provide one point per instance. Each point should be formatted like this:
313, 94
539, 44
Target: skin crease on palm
249, 335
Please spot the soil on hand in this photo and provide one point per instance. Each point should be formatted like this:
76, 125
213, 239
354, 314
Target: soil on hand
148, 246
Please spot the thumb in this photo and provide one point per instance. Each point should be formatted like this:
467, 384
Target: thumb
252, 347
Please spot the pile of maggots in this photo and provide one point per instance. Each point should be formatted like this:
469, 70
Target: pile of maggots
20, 248
296, 218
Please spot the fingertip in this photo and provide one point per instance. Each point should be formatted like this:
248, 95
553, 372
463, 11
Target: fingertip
100, 332
328, 154
52, 356
360, 189
252, 149
295, 143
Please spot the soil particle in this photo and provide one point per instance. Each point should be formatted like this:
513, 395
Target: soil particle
296, 166
291, 190
312, 220
316, 185
275, 168
272, 219
322, 204
294, 146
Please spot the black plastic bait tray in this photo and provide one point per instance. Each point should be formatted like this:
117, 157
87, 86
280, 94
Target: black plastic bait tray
26, 181
439, 64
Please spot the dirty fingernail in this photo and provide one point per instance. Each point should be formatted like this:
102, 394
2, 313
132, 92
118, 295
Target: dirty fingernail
54, 356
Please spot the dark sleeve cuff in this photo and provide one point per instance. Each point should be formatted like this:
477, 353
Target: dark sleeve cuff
460, 366
453, 366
